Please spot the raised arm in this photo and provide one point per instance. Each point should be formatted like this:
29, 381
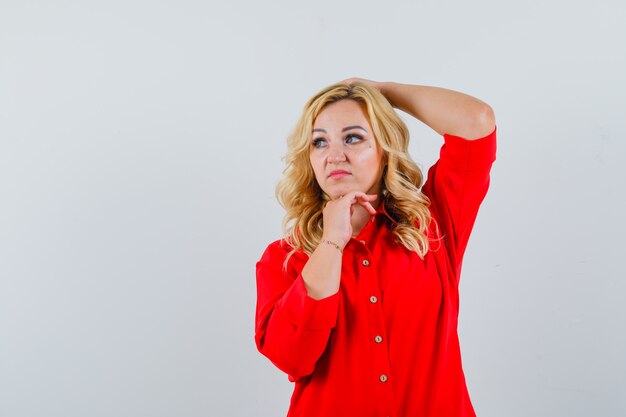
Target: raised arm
445, 111
458, 182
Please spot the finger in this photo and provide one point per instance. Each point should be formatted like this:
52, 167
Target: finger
369, 208
367, 197
362, 200
355, 196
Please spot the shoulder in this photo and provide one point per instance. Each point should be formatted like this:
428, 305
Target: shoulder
279, 246
278, 250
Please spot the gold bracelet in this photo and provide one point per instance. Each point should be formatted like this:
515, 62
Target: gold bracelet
334, 244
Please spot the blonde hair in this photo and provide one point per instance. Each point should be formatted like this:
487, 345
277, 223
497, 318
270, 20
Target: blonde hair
303, 199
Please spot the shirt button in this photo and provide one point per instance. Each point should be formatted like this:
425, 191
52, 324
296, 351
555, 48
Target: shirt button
378, 339
383, 378
373, 299
362, 241
365, 262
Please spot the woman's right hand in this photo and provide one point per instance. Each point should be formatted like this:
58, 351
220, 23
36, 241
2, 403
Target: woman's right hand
338, 214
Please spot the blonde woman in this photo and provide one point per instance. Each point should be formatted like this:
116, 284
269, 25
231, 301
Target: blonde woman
358, 303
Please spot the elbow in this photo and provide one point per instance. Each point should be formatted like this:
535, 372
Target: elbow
488, 118
283, 358
294, 369
480, 122
484, 121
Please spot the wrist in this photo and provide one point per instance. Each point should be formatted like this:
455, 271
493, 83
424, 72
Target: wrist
386, 88
383, 86
331, 243
334, 239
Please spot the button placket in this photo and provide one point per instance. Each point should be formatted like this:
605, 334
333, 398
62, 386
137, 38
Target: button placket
380, 360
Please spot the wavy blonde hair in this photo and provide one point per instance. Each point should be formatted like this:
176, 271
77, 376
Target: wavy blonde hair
303, 199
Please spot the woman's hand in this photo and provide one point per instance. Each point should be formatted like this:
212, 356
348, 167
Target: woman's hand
338, 214
375, 84
322, 272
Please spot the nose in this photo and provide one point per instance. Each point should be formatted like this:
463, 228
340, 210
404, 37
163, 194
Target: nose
336, 154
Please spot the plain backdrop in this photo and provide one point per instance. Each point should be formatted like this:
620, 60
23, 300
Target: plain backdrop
140, 144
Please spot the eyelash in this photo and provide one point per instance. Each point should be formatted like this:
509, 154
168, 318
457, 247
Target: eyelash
318, 140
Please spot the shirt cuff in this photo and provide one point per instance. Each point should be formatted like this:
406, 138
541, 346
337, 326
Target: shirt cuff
466, 155
306, 312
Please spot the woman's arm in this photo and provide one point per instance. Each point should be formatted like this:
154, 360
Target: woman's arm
292, 328
443, 110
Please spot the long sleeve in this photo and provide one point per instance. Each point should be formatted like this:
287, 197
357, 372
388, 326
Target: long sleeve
457, 184
291, 328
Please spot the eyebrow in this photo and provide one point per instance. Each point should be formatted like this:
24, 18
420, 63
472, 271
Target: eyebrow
343, 130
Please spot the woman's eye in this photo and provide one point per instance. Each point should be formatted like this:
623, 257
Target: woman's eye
358, 138
350, 139
317, 142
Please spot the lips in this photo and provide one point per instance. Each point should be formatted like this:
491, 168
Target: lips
339, 173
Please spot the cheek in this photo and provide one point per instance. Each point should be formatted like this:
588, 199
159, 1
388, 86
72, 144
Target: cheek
365, 150
316, 166
367, 155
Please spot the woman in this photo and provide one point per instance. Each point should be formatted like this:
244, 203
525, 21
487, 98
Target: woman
358, 304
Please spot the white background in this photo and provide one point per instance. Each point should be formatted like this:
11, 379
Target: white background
140, 144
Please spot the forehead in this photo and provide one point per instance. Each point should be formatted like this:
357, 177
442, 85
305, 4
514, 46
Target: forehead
342, 113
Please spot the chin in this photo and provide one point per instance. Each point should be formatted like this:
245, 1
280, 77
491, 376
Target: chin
333, 195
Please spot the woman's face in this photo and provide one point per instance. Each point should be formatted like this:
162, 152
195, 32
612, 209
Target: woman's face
344, 153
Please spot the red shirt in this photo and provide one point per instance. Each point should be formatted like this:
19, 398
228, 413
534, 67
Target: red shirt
386, 343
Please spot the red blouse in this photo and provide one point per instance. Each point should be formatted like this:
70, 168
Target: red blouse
386, 343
